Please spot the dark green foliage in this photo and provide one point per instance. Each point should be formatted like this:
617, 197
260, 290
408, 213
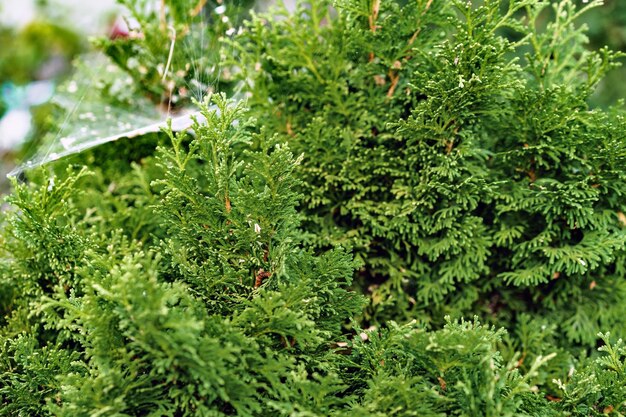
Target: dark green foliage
449, 145
467, 179
191, 295
454, 371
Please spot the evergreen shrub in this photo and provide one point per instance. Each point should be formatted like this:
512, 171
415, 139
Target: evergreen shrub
464, 167
414, 213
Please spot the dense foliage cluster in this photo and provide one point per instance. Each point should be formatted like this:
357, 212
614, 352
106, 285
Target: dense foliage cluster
415, 213
466, 178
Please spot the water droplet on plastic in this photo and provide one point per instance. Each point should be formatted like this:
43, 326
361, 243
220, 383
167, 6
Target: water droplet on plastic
67, 142
72, 87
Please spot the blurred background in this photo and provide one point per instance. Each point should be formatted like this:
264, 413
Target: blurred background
40, 39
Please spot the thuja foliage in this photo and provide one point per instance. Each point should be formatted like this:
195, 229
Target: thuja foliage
179, 286
222, 315
410, 179
452, 146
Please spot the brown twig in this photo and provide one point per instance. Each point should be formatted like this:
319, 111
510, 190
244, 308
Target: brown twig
374, 15
372, 21
449, 145
394, 77
260, 276
450, 142
430, 2
196, 10
442, 383
419, 29
227, 204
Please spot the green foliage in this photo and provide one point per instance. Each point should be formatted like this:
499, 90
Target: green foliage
453, 371
439, 157
100, 318
468, 179
598, 388
180, 286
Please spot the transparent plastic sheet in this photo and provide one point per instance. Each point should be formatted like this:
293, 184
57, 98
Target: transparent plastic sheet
92, 118
89, 137
102, 104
